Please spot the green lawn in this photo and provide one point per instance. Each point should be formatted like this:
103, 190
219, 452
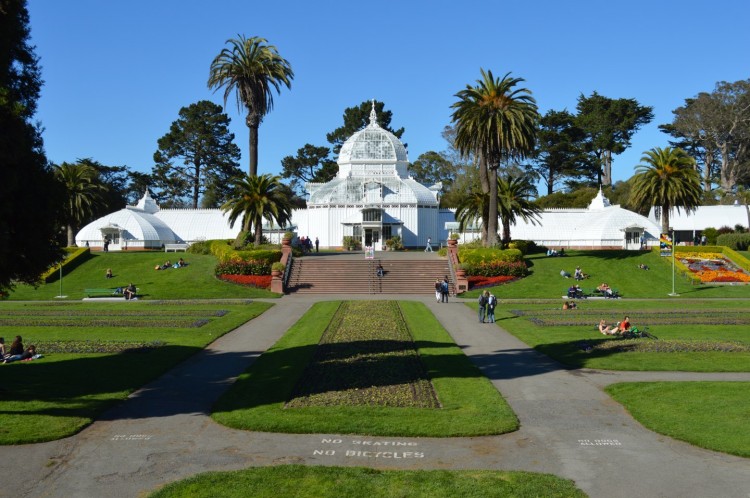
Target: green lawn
618, 268
301, 482
566, 343
59, 394
196, 281
470, 404
712, 415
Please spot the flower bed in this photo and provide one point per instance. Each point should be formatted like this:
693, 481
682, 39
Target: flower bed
480, 282
259, 281
713, 267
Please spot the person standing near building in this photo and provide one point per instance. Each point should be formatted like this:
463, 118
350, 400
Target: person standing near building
429, 245
317, 244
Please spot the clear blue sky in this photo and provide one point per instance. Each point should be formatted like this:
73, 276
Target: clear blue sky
117, 73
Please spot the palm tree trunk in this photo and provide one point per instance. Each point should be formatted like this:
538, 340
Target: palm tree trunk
665, 220
71, 236
492, 215
253, 151
258, 230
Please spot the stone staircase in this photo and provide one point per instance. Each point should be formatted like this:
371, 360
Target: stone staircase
311, 275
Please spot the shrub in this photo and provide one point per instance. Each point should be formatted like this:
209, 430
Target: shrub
496, 269
736, 241
711, 234
200, 247
488, 255
266, 255
242, 267
395, 243
278, 266
525, 246
352, 242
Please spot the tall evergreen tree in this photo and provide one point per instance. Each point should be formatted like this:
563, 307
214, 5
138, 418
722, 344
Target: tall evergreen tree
30, 199
252, 69
609, 125
198, 153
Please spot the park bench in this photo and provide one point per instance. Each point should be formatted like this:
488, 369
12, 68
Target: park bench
175, 247
100, 292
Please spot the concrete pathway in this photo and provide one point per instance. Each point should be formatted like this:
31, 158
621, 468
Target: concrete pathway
569, 427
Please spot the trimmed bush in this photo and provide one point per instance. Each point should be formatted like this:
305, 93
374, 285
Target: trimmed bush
489, 255
74, 257
497, 269
525, 246
736, 241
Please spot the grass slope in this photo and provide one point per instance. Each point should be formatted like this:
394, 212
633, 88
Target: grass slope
618, 268
196, 281
470, 404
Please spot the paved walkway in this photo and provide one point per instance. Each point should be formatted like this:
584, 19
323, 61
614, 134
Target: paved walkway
569, 427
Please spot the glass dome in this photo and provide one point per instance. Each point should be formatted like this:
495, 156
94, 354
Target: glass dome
372, 144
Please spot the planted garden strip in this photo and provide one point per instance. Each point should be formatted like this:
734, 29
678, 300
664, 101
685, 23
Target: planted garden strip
99, 313
669, 346
638, 312
81, 347
366, 357
675, 320
80, 322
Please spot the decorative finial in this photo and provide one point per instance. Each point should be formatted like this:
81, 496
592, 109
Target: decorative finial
373, 116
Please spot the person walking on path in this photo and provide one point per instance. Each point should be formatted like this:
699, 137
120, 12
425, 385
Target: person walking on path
482, 305
429, 245
438, 285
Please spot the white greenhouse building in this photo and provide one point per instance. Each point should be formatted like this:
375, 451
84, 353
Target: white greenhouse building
372, 198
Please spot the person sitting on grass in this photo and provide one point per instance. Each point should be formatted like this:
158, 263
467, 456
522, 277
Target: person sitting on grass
564, 274
129, 292
643, 267
624, 325
606, 329
109, 273
181, 263
569, 305
29, 354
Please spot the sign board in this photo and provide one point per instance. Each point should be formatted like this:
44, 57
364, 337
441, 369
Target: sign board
665, 245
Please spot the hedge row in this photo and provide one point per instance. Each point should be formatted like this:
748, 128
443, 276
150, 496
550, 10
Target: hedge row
736, 241
74, 256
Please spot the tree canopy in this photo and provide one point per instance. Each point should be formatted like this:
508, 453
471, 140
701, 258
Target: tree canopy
30, 199
252, 70
714, 128
609, 125
258, 198
197, 156
666, 178
498, 122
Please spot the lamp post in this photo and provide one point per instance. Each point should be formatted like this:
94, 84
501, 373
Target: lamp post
674, 249
60, 296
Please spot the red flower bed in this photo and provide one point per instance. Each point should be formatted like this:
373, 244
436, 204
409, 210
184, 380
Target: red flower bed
478, 281
260, 281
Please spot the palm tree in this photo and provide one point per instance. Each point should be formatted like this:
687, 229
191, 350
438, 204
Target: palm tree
498, 122
667, 178
514, 194
473, 207
257, 198
252, 69
83, 191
